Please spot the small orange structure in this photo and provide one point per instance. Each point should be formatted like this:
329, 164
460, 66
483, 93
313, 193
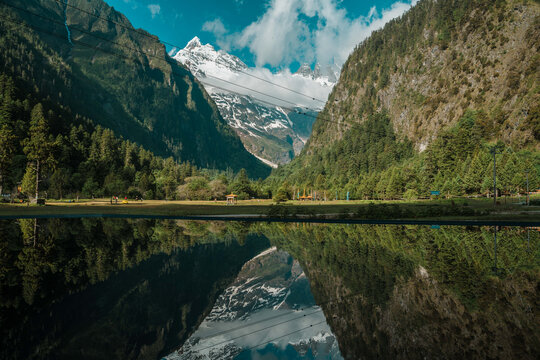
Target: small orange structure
304, 197
231, 199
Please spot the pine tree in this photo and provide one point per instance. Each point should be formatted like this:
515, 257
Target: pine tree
394, 187
7, 149
7, 135
40, 144
241, 185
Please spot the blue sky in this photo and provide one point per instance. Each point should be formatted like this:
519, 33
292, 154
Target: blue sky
275, 34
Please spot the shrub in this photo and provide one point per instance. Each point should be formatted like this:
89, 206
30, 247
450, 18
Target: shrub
411, 194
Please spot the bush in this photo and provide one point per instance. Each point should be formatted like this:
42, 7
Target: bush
148, 194
411, 194
133, 193
282, 195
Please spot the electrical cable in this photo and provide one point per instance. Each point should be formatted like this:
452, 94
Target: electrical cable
162, 59
256, 331
172, 62
144, 33
282, 336
254, 323
272, 104
277, 316
322, 118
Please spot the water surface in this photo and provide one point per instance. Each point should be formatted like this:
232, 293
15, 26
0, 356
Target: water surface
97, 288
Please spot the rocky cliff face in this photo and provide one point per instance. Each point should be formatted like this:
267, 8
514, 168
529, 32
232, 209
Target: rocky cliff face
428, 67
120, 77
423, 320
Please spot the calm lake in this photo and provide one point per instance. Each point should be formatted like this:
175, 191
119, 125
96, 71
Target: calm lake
110, 288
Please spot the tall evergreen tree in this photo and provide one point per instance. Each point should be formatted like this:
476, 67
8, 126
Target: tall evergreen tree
7, 135
40, 144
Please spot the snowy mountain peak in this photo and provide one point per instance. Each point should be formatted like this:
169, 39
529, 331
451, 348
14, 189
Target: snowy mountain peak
328, 74
202, 59
305, 70
269, 128
193, 43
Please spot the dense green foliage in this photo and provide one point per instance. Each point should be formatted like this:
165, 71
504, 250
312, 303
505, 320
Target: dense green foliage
370, 163
78, 158
119, 78
369, 147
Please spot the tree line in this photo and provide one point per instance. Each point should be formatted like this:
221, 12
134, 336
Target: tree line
370, 162
48, 151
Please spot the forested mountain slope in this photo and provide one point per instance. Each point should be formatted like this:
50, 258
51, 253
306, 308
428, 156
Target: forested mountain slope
120, 78
426, 96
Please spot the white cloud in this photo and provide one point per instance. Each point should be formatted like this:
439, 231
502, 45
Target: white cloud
155, 10
282, 35
217, 28
266, 91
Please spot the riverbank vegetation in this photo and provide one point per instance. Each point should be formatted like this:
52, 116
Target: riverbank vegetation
511, 209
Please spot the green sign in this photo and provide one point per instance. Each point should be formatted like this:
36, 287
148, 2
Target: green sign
435, 192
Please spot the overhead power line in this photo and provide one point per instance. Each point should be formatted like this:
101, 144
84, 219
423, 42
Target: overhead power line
255, 331
288, 334
320, 304
259, 322
153, 38
290, 109
82, 43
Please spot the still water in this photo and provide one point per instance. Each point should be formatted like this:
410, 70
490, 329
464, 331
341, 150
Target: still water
95, 288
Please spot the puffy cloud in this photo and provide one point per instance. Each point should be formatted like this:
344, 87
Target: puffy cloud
278, 36
155, 9
217, 28
285, 33
316, 90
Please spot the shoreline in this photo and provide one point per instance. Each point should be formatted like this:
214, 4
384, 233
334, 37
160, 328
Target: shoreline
470, 212
265, 218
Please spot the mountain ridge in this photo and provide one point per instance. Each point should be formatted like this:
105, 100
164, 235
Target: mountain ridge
405, 69
123, 79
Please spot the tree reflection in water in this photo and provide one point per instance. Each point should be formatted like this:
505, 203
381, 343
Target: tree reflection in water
415, 292
112, 288
119, 288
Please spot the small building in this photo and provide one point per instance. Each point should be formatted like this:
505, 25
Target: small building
304, 197
232, 199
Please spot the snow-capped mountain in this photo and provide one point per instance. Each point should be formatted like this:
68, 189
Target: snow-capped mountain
201, 59
326, 75
270, 298
269, 119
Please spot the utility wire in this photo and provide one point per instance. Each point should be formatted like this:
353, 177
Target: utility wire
256, 331
250, 89
259, 322
289, 334
290, 109
161, 59
144, 33
274, 317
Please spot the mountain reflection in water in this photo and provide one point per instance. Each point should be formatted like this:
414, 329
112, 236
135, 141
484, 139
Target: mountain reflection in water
268, 310
145, 289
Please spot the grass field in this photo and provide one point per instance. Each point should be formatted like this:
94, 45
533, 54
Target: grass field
507, 209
